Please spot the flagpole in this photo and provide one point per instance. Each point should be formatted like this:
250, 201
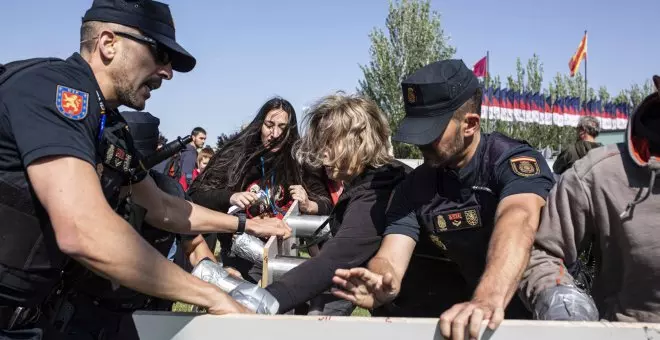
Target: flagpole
488, 76
585, 68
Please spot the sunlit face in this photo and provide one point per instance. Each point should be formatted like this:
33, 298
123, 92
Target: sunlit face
446, 150
203, 163
335, 172
199, 140
139, 67
275, 124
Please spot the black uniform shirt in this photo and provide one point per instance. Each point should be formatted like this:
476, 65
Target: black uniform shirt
456, 209
52, 109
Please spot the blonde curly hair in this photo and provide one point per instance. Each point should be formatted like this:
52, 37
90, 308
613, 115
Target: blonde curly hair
346, 133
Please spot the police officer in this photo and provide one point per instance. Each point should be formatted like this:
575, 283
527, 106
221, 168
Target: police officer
94, 307
477, 197
60, 133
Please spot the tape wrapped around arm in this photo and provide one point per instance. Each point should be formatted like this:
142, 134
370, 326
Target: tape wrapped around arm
566, 303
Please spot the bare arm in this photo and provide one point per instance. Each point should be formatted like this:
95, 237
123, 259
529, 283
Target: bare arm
90, 232
393, 257
197, 249
177, 215
516, 223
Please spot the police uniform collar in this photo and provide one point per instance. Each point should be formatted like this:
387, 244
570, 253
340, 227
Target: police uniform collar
473, 165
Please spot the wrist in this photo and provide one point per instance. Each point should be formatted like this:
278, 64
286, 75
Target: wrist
241, 224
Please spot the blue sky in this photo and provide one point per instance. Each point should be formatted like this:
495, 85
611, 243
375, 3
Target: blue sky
248, 51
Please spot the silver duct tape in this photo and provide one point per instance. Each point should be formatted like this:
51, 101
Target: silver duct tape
280, 265
248, 247
248, 294
213, 273
305, 225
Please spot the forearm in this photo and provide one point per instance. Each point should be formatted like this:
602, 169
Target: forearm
508, 255
115, 251
197, 249
181, 216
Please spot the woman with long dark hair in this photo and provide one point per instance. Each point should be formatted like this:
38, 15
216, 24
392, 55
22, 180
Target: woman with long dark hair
256, 171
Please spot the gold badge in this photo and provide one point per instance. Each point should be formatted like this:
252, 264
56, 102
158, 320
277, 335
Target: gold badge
471, 217
442, 224
436, 241
525, 166
412, 98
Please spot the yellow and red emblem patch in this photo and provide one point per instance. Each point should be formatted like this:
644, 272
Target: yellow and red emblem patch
525, 166
71, 103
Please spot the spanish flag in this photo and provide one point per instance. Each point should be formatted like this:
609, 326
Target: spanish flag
581, 53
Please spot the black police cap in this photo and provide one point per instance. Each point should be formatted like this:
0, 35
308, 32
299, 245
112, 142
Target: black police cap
431, 95
143, 127
153, 18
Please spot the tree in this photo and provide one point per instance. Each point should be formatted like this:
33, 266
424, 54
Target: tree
414, 39
223, 138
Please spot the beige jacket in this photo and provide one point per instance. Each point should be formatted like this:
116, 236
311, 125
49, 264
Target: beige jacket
586, 201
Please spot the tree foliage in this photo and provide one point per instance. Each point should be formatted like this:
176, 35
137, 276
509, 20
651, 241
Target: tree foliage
413, 38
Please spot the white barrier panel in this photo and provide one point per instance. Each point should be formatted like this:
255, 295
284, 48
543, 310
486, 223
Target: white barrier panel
164, 325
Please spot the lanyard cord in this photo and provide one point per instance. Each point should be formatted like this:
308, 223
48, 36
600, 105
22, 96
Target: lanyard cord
272, 183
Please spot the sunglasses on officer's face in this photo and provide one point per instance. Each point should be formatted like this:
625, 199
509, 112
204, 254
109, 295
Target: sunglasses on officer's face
159, 51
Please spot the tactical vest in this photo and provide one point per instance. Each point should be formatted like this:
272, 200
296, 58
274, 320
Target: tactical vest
31, 264
461, 221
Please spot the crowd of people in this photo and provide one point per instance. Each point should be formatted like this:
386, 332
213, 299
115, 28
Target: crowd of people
482, 230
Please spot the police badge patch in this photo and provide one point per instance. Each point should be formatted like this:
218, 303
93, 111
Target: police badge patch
71, 103
525, 166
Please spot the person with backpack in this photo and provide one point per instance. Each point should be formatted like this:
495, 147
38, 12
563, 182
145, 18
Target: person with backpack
477, 197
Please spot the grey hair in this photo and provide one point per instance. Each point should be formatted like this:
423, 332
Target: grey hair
590, 125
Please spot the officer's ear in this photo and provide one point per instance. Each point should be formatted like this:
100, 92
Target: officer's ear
108, 45
473, 124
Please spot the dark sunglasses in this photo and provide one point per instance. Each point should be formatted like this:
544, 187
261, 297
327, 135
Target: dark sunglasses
158, 50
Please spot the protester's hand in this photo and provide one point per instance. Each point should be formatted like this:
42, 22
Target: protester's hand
363, 287
298, 193
224, 304
265, 227
454, 321
243, 199
233, 272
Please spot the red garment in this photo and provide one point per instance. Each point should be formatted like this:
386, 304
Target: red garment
336, 188
182, 180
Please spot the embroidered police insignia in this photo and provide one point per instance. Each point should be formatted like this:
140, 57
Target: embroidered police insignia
471, 217
72, 103
525, 166
442, 224
437, 242
412, 98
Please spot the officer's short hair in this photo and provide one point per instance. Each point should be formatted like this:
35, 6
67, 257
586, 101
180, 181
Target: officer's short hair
589, 125
472, 105
196, 131
351, 129
89, 32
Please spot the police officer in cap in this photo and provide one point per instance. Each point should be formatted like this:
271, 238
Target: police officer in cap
477, 196
59, 129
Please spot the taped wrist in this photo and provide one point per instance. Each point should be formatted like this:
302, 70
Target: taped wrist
564, 302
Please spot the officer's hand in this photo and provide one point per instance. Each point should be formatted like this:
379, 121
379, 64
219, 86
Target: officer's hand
470, 314
266, 227
224, 304
363, 287
243, 199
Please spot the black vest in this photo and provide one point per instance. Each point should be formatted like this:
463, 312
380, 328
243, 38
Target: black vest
31, 264
460, 220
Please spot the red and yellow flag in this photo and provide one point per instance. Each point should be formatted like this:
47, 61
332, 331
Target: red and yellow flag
576, 59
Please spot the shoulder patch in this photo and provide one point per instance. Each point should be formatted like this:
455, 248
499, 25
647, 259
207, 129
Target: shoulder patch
72, 103
525, 166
